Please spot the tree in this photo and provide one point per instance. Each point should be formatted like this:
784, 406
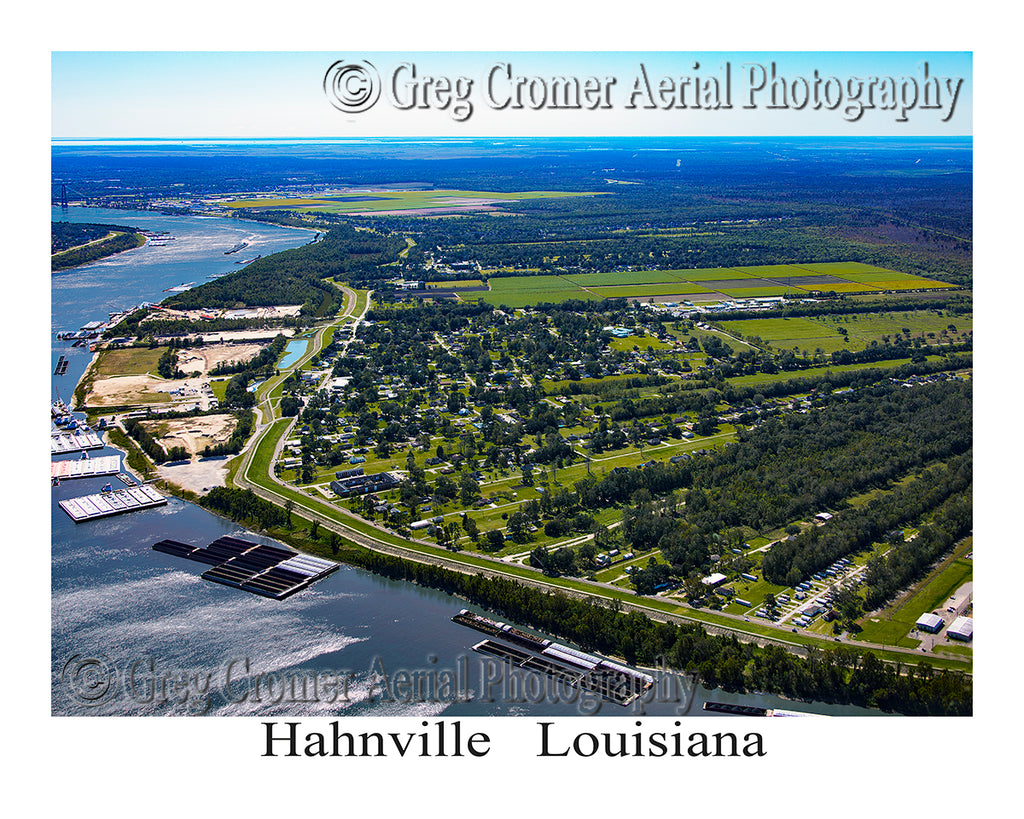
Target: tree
495, 540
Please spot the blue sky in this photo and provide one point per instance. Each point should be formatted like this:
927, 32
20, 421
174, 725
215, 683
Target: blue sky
281, 94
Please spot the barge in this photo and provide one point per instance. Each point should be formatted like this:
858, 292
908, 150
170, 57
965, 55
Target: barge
612, 681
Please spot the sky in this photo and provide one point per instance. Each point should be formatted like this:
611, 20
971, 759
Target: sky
197, 94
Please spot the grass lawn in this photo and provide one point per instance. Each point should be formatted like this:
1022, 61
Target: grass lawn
128, 361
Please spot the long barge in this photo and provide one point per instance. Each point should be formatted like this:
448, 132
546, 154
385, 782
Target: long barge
614, 682
751, 710
111, 502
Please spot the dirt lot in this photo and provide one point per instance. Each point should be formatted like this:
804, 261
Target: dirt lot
203, 359
198, 476
195, 434
146, 390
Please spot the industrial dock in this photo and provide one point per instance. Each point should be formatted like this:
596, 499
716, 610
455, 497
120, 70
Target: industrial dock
63, 442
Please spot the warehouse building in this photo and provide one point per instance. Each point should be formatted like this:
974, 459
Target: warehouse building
931, 623
961, 629
360, 484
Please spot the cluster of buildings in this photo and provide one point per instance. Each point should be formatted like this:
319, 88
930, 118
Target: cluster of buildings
352, 482
962, 627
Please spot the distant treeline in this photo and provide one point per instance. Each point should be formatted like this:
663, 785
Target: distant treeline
65, 235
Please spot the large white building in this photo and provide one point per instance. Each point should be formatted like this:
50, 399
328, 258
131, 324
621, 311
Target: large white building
961, 629
930, 622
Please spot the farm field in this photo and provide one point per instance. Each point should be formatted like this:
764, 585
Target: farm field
860, 329
736, 283
383, 201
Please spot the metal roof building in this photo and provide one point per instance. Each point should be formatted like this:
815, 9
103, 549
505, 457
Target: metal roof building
961, 629
930, 622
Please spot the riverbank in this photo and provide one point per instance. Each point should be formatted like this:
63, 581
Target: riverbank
112, 244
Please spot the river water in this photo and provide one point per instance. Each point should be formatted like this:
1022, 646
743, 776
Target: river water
137, 632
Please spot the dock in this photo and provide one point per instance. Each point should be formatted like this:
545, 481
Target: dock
90, 507
269, 571
85, 467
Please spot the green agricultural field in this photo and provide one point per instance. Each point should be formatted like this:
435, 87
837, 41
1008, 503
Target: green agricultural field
713, 274
757, 282
861, 329
641, 291
625, 277
522, 291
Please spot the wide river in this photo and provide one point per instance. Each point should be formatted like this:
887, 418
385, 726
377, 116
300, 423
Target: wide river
137, 632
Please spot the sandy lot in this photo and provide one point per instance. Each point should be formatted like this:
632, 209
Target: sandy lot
205, 358
197, 476
129, 389
195, 434
147, 390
